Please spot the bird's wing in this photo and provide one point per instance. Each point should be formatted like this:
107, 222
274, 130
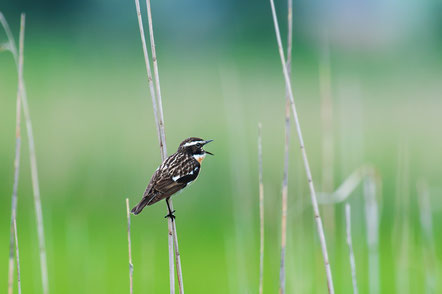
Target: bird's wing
186, 171
164, 187
173, 175
176, 176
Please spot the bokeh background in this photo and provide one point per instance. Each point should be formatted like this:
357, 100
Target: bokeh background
221, 75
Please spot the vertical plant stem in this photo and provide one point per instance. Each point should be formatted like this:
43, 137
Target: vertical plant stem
158, 111
171, 260
261, 211
372, 223
149, 74
177, 256
304, 156
171, 222
157, 82
129, 244
33, 160
163, 144
37, 199
282, 273
350, 247
13, 227
163, 149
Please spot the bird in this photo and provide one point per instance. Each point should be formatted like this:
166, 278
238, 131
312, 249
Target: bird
174, 174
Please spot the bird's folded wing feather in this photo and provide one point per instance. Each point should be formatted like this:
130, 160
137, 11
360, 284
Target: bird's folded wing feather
167, 181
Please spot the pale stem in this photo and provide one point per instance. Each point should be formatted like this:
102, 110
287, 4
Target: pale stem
158, 111
33, 161
304, 156
350, 247
129, 245
284, 196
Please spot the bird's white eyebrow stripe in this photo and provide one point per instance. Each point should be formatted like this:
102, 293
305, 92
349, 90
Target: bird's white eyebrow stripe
193, 143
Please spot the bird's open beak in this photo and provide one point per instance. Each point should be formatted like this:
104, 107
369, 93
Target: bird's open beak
206, 142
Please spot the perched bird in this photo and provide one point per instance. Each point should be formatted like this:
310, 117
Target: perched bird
176, 171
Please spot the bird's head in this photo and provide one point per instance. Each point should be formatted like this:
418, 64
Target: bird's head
194, 146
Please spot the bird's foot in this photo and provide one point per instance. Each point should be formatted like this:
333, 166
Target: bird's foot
171, 215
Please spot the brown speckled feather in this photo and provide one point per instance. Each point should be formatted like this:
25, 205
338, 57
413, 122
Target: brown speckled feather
174, 174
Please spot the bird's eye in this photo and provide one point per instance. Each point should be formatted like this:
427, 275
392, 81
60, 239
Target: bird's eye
198, 145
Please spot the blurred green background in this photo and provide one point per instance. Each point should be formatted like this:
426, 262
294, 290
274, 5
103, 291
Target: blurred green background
220, 75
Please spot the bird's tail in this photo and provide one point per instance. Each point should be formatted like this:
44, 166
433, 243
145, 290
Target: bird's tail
139, 207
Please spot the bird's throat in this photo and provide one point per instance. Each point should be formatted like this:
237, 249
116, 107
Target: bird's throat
199, 157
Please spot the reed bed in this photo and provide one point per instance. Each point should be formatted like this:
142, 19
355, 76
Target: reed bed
285, 181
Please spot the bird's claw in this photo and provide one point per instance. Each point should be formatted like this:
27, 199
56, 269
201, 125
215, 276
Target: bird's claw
171, 215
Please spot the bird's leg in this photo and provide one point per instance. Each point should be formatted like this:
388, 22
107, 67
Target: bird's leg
171, 215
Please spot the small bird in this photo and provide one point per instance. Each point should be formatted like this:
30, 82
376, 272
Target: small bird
174, 174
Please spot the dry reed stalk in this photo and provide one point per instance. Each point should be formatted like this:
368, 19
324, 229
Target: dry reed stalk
129, 244
371, 182
346, 187
304, 156
162, 149
261, 211
37, 199
157, 83
13, 226
33, 161
350, 247
171, 221
149, 75
172, 232
163, 137
284, 196
372, 186
429, 251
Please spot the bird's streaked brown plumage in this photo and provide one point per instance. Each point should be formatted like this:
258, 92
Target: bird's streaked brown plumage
176, 171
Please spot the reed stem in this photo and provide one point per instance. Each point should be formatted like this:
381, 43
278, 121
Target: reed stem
317, 215
129, 245
13, 237
155, 92
350, 247
284, 196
